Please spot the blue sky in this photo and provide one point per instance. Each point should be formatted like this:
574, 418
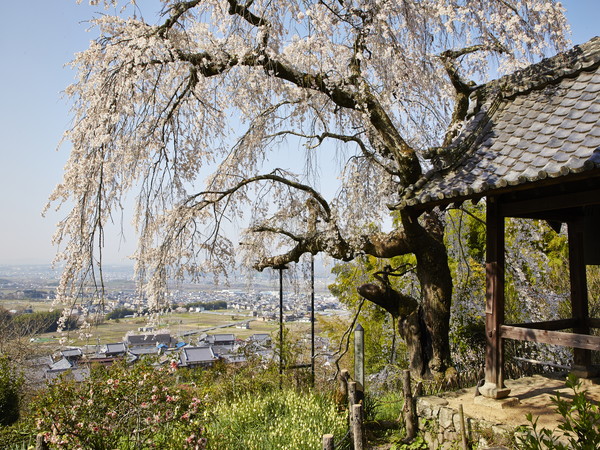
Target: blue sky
34, 46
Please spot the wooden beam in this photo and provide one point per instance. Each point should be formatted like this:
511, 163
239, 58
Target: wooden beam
573, 340
522, 208
560, 324
593, 323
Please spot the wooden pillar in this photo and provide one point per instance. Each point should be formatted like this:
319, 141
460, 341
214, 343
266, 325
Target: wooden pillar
494, 303
582, 359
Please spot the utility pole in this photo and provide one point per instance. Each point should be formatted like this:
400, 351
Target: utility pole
312, 318
281, 268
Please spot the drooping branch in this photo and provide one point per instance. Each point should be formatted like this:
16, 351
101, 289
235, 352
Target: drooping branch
205, 198
343, 93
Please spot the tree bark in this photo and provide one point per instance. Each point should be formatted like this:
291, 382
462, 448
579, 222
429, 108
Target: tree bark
424, 326
433, 272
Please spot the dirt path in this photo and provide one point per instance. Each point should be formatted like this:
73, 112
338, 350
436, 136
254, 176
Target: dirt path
534, 394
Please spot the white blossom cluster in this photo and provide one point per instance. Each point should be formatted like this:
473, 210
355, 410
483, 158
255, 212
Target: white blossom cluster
185, 114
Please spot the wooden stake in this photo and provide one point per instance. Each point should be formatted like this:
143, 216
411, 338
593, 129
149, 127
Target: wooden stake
344, 376
328, 442
463, 428
357, 427
410, 418
40, 444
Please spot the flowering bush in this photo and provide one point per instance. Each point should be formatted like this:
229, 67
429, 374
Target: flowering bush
274, 420
121, 407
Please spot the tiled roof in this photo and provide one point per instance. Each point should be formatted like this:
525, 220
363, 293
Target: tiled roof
61, 364
118, 347
541, 122
192, 355
148, 339
71, 352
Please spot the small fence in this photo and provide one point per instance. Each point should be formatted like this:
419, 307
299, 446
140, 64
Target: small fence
353, 394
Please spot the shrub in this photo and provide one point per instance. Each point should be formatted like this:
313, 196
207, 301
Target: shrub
121, 407
10, 392
119, 313
580, 427
275, 420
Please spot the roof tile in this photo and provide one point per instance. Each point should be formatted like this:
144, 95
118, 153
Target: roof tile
547, 124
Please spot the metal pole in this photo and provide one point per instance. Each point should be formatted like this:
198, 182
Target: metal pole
280, 321
280, 268
312, 318
359, 355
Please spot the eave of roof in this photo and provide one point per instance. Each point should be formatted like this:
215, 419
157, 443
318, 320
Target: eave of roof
538, 124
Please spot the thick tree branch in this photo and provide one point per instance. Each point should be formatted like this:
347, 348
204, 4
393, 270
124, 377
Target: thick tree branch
178, 10
463, 88
381, 245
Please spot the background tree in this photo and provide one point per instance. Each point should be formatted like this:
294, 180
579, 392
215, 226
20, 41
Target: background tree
188, 113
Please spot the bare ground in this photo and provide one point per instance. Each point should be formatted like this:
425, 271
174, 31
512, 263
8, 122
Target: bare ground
534, 394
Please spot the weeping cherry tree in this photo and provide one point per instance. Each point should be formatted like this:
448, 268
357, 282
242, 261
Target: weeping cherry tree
185, 111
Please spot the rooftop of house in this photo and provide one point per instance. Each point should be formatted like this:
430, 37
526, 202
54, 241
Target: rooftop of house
118, 347
60, 365
71, 352
226, 337
191, 355
148, 339
537, 124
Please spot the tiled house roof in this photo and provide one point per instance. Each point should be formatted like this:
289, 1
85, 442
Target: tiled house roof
149, 339
538, 123
197, 355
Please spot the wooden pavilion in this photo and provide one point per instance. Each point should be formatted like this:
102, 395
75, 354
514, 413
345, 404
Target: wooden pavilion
532, 148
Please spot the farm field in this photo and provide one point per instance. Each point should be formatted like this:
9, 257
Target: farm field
177, 324
36, 305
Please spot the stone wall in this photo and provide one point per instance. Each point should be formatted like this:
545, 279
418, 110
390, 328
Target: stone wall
441, 427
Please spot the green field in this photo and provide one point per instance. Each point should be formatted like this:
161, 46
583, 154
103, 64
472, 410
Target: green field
176, 323
36, 305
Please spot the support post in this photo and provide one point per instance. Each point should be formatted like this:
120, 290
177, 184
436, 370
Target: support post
582, 358
463, 428
494, 303
40, 443
352, 394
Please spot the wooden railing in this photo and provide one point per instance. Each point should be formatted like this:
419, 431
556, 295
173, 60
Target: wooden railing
548, 333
